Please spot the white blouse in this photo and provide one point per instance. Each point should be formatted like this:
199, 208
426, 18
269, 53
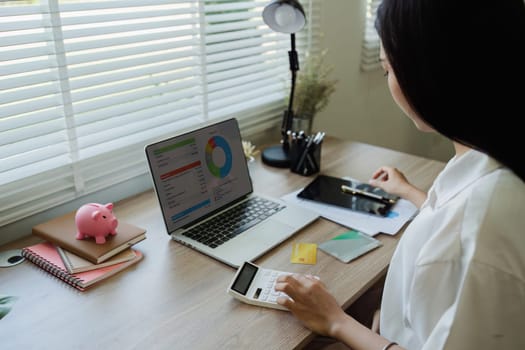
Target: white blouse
457, 277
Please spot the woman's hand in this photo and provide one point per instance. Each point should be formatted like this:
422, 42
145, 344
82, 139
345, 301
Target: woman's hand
311, 303
393, 181
318, 310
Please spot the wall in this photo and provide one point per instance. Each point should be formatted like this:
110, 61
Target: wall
362, 108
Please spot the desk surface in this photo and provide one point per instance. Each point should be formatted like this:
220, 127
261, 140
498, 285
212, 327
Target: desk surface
176, 297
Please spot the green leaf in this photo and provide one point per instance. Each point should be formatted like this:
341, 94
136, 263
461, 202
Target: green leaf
6, 303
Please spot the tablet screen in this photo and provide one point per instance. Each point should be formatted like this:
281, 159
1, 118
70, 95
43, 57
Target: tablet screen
327, 189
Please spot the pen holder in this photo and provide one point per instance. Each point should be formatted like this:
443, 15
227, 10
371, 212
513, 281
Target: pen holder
305, 159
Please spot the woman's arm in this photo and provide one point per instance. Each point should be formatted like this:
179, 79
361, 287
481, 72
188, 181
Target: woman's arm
318, 310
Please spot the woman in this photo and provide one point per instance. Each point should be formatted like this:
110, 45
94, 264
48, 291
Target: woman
457, 277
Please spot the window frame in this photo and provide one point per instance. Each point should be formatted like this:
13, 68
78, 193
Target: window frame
51, 200
370, 43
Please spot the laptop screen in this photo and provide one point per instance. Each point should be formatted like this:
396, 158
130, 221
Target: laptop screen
198, 172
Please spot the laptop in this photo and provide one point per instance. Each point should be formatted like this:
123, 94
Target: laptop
204, 189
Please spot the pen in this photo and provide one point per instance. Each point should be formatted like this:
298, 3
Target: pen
318, 137
356, 191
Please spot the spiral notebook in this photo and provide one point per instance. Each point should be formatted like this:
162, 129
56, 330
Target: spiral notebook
46, 256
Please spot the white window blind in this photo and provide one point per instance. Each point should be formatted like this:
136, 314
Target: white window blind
370, 53
84, 85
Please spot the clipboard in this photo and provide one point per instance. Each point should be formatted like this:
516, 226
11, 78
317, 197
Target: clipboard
327, 189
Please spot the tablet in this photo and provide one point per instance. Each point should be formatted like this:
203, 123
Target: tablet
366, 198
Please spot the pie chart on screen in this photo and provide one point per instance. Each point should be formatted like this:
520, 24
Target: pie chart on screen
218, 156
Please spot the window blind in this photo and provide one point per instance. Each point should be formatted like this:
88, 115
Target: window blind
86, 84
370, 46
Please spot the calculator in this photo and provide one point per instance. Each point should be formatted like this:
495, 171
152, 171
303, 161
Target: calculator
254, 285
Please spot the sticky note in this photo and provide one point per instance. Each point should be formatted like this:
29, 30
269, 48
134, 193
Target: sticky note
304, 253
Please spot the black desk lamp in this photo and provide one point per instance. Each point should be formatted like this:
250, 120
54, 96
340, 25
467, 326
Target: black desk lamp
284, 16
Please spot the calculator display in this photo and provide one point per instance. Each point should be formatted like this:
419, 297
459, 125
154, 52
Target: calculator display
244, 278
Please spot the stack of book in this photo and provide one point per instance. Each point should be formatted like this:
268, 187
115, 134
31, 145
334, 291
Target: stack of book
82, 263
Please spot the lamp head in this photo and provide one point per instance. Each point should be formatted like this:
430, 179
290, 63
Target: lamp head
284, 16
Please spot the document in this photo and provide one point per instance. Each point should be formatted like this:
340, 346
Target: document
400, 213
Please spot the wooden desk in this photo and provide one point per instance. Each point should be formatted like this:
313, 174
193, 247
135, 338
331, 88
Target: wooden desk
176, 297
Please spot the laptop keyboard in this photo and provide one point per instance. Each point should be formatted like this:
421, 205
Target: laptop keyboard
231, 223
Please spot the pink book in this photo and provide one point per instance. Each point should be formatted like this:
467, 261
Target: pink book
46, 256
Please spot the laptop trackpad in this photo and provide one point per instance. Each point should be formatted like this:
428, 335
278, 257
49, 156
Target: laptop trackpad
271, 230
260, 238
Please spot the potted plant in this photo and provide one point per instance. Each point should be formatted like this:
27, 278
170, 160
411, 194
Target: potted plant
312, 91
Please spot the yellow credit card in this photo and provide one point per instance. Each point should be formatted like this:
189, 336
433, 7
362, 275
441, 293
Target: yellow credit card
304, 253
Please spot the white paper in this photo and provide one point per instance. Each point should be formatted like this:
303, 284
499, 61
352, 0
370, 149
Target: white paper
399, 214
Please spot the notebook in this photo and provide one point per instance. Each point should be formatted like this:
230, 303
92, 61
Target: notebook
61, 231
349, 245
200, 177
75, 263
45, 256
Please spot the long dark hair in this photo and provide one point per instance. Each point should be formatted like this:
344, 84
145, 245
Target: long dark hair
461, 66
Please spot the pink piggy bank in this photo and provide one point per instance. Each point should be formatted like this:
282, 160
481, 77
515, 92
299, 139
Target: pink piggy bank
96, 220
